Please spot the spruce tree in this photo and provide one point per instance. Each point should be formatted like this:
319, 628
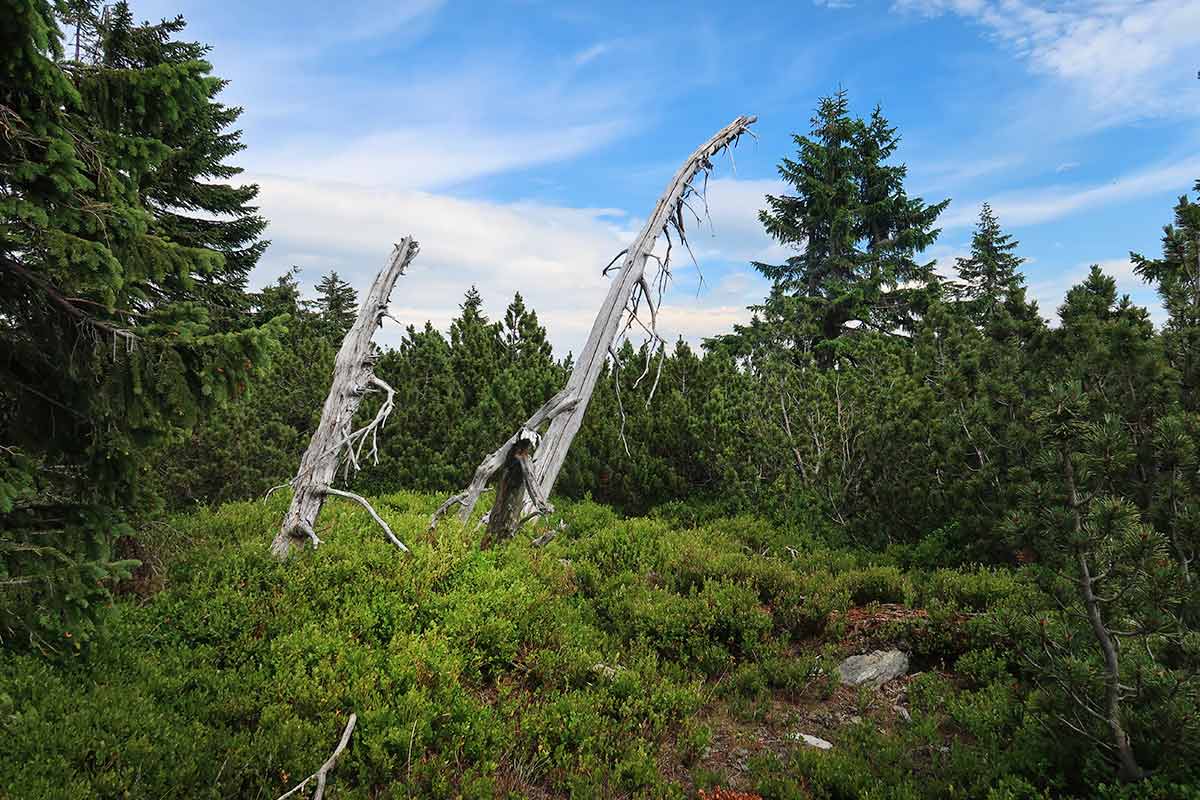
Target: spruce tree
281, 298
82, 18
337, 303
475, 348
106, 347
991, 274
857, 232
524, 338
190, 191
1176, 275
530, 372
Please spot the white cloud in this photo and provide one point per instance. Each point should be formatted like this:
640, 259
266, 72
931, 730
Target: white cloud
591, 53
1128, 58
696, 323
1042, 205
370, 19
945, 257
551, 254
319, 25
432, 157
735, 233
933, 177
1067, 166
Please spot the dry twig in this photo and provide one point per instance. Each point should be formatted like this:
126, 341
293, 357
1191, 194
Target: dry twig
328, 765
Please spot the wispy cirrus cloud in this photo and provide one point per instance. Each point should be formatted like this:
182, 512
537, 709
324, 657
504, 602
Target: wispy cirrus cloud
305, 29
428, 157
1128, 58
1032, 207
590, 54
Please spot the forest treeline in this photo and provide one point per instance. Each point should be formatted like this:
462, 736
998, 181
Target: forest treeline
873, 402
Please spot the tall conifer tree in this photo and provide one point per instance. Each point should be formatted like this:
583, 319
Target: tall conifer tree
337, 303
106, 343
991, 274
857, 233
191, 191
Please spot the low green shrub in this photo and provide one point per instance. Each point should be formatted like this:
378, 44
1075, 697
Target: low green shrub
973, 590
877, 585
580, 669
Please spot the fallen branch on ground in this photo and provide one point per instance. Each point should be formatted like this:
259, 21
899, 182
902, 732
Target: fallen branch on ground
328, 765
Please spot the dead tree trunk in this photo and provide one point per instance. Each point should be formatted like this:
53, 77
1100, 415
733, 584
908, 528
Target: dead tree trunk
564, 412
334, 442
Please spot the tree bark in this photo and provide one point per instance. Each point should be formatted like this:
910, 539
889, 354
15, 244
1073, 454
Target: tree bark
564, 412
334, 442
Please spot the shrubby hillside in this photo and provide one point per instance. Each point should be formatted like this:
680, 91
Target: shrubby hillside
645, 657
893, 455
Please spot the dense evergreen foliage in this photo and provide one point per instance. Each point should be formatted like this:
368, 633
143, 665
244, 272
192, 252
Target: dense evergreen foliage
109, 343
1016, 503
857, 233
337, 304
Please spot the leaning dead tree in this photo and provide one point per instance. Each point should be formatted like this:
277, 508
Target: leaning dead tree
526, 466
335, 442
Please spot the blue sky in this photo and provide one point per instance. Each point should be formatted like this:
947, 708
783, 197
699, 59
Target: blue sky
523, 142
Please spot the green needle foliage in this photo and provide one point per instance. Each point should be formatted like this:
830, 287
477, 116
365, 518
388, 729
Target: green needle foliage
107, 341
857, 233
990, 276
1116, 656
1177, 277
337, 304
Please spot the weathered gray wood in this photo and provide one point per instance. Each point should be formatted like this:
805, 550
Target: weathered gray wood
564, 412
334, 440
323, 772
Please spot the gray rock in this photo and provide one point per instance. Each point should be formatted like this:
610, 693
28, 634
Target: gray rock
813, 741
873, 669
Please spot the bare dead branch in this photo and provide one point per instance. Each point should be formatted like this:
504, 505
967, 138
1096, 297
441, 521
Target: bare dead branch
362, 501
321, 773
